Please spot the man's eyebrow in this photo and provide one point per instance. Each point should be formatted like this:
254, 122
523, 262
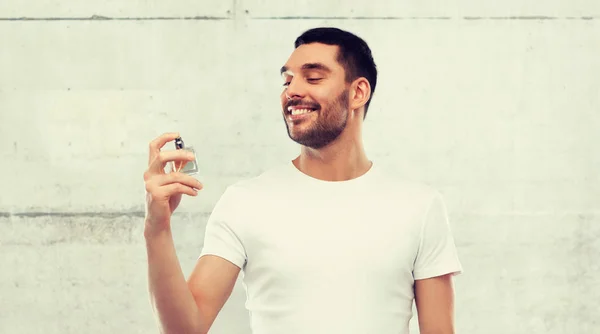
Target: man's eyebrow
316, 66
309, 66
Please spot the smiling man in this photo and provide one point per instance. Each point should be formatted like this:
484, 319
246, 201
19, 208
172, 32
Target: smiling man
328, 242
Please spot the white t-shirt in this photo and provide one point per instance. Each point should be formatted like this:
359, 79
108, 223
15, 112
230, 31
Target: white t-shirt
331, 257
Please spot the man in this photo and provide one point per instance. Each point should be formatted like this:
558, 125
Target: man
329, 242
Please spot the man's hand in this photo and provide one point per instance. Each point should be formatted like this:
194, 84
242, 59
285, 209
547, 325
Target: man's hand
164, 191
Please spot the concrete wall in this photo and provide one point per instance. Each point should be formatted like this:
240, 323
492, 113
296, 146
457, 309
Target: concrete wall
496, 103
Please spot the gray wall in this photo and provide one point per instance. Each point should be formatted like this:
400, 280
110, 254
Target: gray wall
494, 103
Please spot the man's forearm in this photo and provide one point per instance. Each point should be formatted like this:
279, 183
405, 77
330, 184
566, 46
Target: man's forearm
437, 331
170, 296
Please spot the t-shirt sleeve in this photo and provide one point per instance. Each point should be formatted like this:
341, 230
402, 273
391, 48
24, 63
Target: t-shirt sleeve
437, 254
221, 236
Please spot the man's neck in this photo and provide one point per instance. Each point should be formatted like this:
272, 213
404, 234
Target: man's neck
342, 160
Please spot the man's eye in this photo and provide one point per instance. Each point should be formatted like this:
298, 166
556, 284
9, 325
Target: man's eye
285, 84
314, 79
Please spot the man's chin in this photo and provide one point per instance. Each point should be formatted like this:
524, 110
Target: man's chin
307, 142
299, 138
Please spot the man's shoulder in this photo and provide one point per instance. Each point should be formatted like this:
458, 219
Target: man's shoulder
402, 195
264, 180
396, 182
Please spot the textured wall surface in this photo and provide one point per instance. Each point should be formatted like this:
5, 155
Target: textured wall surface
495, 103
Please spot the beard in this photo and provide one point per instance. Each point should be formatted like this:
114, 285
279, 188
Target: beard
327, 126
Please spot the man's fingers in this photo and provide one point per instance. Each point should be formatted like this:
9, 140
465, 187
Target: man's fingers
163, 157
177, 188
159, 142
181, 178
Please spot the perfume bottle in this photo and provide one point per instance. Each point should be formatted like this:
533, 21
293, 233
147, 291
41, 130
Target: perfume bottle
187, 167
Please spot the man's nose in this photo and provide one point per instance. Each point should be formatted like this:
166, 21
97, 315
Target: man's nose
295, 90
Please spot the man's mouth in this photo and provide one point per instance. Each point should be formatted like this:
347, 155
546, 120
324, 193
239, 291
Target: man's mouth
300, 110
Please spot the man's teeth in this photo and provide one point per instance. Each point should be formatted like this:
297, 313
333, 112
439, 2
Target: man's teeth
300, 111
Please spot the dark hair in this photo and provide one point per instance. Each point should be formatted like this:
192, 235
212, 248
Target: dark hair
354, 54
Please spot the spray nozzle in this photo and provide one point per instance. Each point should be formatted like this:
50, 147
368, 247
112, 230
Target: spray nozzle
179, 143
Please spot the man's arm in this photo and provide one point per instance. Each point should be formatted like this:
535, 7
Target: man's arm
180, 307
211, 284
434, 298
173, 303
435, 265
192, 306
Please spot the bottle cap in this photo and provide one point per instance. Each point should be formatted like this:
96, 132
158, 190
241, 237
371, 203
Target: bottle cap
179, 143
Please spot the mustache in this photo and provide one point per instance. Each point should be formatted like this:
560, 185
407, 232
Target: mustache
294, 103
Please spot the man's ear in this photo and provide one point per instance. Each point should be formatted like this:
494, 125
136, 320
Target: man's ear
360, 93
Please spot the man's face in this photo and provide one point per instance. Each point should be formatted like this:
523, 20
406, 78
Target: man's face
315, 95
